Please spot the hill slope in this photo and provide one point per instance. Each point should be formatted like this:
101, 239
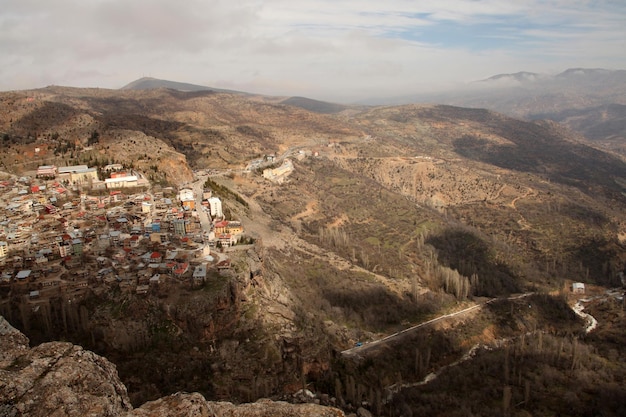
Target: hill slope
586, 93
391, 216
148, 83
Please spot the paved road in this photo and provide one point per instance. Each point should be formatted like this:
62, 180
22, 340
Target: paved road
363, 348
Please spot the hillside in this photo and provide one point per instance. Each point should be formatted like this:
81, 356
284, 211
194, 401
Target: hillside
585, 100
149, 83
392, 215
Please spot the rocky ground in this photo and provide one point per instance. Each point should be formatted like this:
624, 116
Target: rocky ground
62, 379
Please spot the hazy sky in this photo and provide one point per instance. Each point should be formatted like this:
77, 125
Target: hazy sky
327, 49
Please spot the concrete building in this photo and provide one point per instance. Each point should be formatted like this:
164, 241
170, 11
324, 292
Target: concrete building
215, 207
121, 182
187, 198
279, 174
146, 207
46, 171
180, 227
199, 274
86, 176
78, 174
65, 249
578, 288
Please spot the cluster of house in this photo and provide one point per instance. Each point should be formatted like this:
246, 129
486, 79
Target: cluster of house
57, 240
82, 175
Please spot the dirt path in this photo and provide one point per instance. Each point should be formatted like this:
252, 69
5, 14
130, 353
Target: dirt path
525, 225
528, 192
311, 209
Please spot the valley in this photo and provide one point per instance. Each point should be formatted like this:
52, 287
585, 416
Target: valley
464, 226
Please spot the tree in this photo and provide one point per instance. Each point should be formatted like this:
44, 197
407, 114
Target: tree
93, 138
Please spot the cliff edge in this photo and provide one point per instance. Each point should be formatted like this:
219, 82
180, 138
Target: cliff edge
61, 379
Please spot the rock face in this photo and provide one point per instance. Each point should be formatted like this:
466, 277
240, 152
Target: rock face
194, 405
56, 379
62, 379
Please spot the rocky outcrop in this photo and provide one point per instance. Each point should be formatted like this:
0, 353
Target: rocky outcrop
62, 379
194, 405
56, 379
263, 408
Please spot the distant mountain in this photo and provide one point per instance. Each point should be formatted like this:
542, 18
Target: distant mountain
148, 83
593, 92
315, 106
522, 76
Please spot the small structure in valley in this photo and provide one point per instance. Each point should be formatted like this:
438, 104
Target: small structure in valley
578, 288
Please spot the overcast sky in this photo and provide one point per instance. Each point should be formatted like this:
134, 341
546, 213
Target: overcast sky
340, 50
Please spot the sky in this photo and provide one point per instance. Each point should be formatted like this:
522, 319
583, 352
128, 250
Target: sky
337, 50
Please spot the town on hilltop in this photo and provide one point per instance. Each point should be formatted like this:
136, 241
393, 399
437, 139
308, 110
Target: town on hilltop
65, 231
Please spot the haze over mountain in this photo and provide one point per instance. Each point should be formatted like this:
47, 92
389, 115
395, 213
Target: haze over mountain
325, 50
588, 101
149, 83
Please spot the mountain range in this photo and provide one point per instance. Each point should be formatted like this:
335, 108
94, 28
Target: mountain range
391, 216
588, 101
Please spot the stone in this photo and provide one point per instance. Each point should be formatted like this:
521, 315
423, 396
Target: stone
59, 379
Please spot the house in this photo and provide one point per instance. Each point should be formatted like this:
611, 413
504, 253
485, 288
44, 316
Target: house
46, 171
226, 240
234, 228
40, 259
578, 288
220, 227
4, 249
223, 265
22, 275
199, 274
187, 199
181, 269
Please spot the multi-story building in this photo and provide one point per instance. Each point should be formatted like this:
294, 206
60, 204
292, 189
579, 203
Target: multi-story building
180, 227
215, 207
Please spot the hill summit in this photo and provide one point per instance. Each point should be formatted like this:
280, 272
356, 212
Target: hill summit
149, 83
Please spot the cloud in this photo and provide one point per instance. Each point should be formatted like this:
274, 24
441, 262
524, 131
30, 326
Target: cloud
323, 48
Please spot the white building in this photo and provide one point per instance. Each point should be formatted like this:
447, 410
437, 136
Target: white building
146, 207
279, 174
186, 194
4, 249
578, 288
47, 171
215, 205
121, 182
